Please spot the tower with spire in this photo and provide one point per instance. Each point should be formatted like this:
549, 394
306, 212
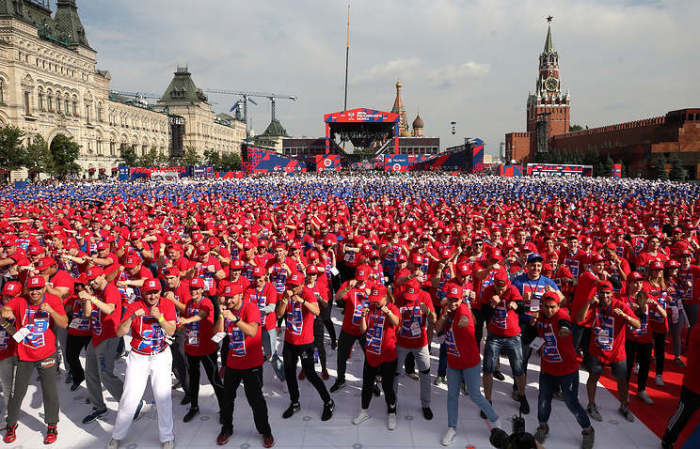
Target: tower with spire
548, 108
399, 108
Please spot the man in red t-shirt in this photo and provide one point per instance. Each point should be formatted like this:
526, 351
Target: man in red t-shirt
102, 304
504, 335
8, 346
379, 323
240, 320
558, 368
35, 317
198, 322
609, 316
149, 320
300, 307
416, 311
690, 393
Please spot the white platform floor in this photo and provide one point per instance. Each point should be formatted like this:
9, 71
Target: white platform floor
305, 429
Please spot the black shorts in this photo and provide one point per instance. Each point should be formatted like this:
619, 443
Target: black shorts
595, 367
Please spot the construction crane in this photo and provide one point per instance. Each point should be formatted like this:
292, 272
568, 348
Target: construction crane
139, 97
246, 98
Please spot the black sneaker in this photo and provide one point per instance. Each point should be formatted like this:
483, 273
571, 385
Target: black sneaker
337, 386
292, 409
328, 408
498, 375
191, 414
186, 400
427, 413
94, 415
74, 386
524, 406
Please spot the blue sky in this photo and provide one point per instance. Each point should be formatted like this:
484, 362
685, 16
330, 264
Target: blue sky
469, 61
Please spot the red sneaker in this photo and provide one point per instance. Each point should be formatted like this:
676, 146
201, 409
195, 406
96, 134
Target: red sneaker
302, 374
268, 441
324, 375
223, 437
51, 434
10, 435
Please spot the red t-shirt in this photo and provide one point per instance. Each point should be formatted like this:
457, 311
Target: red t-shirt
504, 320
411, 333
608, 332
79, 325
208, 277
657, 322
198, 335
689, 279
585, 288
245, 352
643, 334
41, 341
300, 320
462, 351
104, 326
380, 345
354, 301
261, 298
691, 379
63, 279
147, 337
558, 356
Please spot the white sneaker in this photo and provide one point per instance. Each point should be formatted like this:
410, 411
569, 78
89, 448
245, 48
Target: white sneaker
362, 417
391, 421
659, 380
644, 396
636, 368
168, 444
449, 437
113, 444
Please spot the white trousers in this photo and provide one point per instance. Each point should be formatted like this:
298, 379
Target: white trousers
138, 369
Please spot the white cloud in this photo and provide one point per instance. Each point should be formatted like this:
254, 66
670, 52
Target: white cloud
450, 73
392, 70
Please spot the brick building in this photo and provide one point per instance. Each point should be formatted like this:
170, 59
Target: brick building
548, 120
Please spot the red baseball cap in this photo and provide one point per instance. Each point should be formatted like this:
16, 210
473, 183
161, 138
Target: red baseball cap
455, 291
496, 254
402, 257
501, 276
361, 274
313, 254
295, 280
132, 261
36, 282
45, 263
377, 293
656, 265
258, 272
463, 269
94, 273
374, 254
445, 253
595, 258
197, 283
236, 264
12, 288
635, 276
551, 296
672, 264
311, 269
103, 245
329, 241
171, 271
35, 250
604, 285
417, 259
232, 290
151, 285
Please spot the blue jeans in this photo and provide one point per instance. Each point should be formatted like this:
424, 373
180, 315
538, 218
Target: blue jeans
510, 346
269, 343
569, 389
472, 379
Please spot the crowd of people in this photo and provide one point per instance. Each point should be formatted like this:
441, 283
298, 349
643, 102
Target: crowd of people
205, 275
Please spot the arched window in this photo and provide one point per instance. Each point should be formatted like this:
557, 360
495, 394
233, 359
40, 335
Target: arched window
2, 91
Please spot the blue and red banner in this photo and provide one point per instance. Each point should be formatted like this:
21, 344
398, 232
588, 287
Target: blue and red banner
328, 162
265, 161
361, 115
510, 171
617, 171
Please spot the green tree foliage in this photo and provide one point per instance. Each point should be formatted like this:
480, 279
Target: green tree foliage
150, 159
12, 151
573, 128
213, 158
38, 158
605, 167
64, 152
127, 153
190, 158
231, 162
677, 172
656, 167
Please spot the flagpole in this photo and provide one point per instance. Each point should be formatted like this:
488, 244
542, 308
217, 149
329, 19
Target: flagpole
347, 57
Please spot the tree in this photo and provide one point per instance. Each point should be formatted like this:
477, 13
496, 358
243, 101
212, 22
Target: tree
231, 162
190, 158
573, 128
149, 159
127, 154
657, 167
12, 151
38, 158
214, 159
64, 152
606, 167
677, 173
